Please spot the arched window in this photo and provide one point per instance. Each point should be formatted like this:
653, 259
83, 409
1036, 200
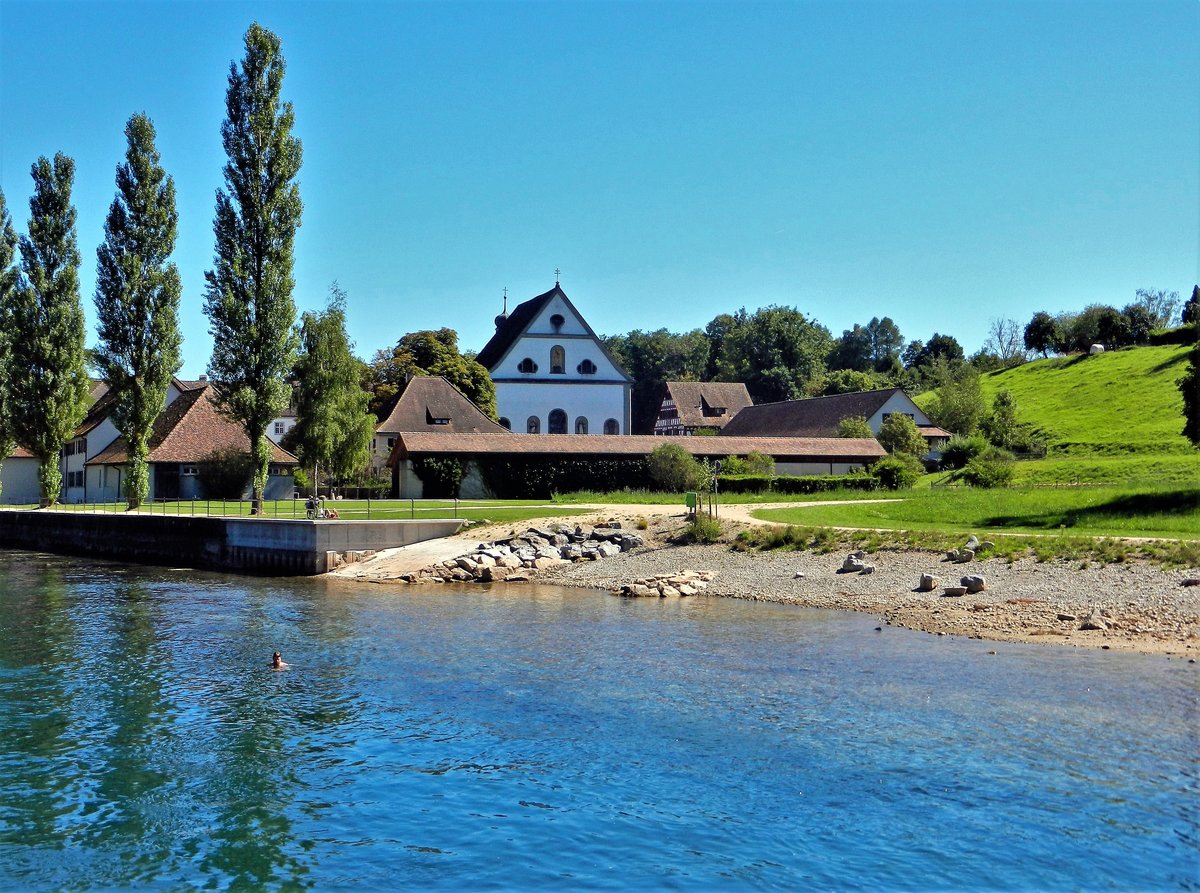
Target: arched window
587, 367
612, 426
558, 360
505, 423
557, 321
581, 425
558, 422
534, 425
527, 365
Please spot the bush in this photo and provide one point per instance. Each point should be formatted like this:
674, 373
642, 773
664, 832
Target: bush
897, 472
702, 529
961, 450
225, 473
991, 468
674, 469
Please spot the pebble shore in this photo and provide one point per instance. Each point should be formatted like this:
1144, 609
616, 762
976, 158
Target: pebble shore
1137, 606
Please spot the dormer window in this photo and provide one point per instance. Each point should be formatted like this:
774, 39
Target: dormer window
557, 322
558, 360
587, 367
527, 366
431, 419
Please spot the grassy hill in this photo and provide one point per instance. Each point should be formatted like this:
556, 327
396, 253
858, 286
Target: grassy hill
1113, 417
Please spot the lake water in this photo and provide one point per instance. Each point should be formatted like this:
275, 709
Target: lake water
536, 737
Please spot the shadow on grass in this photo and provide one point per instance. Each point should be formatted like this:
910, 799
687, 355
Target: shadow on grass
1176, 360
1167, 502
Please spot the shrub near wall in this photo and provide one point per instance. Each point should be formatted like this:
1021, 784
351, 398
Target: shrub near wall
540, 478
751, 483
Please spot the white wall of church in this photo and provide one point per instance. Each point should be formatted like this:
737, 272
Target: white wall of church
19, 481
576, 349
517, 401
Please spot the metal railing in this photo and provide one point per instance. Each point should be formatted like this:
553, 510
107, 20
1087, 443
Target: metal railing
279, 509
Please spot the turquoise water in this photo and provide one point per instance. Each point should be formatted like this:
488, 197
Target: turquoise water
545, 738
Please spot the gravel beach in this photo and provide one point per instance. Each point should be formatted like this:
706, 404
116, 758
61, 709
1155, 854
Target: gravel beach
1137, 605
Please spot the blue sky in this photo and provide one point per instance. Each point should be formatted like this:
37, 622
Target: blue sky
942, 163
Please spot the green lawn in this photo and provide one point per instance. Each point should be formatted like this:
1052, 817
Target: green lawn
1172, 512
377, 510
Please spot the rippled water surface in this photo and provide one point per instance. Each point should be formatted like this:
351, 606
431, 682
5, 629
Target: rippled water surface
541, 737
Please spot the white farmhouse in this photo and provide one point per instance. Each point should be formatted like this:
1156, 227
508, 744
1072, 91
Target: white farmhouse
552, 374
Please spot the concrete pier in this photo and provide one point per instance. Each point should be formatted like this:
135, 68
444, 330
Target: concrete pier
241, 545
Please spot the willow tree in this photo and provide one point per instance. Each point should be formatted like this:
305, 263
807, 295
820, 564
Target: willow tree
248, 296
333, 428
49, 384
137, 299
8, 288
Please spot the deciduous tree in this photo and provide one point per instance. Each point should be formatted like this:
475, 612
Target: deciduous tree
429, 353
654, 358
249, 292
1191, 310
886, 342
776, 352
1159, 304
333, 426
137, 299
1042, 333
856, 426
49, 381
898, 434
958, 404
1189, 386
8, 287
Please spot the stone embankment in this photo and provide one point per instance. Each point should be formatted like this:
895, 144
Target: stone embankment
517, 558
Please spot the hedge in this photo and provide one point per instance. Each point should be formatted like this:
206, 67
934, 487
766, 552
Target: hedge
757, 483
540, 478
1178, 335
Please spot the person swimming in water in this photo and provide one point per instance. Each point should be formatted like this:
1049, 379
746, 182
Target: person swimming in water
277, 662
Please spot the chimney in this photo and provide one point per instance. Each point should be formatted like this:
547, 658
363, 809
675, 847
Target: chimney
204, 378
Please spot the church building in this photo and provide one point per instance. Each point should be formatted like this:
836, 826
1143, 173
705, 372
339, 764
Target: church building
552, 374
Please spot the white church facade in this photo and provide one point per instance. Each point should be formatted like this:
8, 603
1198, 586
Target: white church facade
552, 373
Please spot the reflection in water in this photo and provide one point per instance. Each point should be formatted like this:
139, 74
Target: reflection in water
539, 737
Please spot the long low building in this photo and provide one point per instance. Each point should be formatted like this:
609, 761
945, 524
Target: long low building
792, 455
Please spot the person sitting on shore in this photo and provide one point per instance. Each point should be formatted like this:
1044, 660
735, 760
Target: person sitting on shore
277, 662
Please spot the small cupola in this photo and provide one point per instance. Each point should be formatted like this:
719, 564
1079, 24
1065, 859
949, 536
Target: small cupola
503, 317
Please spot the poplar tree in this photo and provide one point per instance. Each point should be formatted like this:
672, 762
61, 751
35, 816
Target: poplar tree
50, 385
248, 297
333, 428
8, 288
137, 299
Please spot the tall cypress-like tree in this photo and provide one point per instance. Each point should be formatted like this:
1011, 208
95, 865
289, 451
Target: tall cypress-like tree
8, 289
49, 381
248, 296
333, 428
137, 298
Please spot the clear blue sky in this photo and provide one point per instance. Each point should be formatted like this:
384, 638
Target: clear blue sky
941, 163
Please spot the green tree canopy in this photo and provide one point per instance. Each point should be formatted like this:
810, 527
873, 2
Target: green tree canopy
49, 384
137, 298
429, 353
853, 351
776, 352
248, 297
899, 435
958, 403
856, 426
1191, 310
333, 426
654, 358
1189, 386
1042, 333
9, 277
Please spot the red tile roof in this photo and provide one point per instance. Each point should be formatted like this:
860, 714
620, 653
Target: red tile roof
428, 398
693, 398
823, 449
188, 431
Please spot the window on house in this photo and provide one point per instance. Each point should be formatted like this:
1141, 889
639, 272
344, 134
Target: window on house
558, 422
587, 367
505, 423
391, 442
189, 470
527, 365
557, 321
533, 425
431, 419
612, 426
581, 425
279, 427
558, 360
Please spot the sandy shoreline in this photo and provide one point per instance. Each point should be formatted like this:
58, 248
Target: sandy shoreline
1145, 607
